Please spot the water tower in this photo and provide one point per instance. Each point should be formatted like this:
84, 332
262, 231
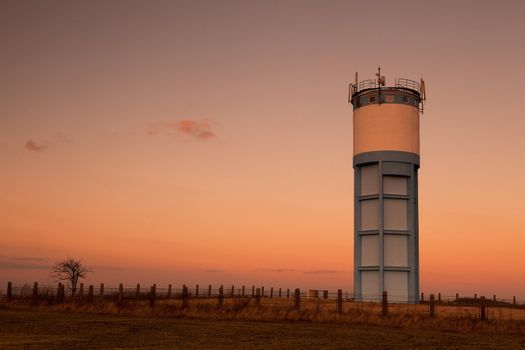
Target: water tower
386, 163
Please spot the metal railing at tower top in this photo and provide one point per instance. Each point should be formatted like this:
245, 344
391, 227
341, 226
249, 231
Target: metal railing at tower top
367, 84
398, 83
408, 84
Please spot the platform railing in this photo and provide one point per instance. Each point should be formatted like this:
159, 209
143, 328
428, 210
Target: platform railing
373, 84
408, 84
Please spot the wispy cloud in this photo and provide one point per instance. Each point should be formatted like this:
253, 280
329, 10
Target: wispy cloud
39, 146
306, 272
22, 258
278, 270
103, 267
23, 263
34, 147
197, 129
37, 263
321, 272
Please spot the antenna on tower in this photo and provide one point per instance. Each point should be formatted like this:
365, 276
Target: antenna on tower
380, 79
352, 89
380, 82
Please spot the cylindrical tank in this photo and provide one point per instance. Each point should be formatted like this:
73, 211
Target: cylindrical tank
386, 163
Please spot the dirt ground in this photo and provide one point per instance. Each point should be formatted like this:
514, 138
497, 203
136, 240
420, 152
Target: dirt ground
32, 329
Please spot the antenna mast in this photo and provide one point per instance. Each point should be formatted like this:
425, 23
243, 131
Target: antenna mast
380, 82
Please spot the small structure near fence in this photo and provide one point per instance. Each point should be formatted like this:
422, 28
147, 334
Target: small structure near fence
314, 293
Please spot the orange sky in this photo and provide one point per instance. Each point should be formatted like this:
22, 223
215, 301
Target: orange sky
211, 142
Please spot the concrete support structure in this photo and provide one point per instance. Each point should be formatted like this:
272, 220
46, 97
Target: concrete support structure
386, 163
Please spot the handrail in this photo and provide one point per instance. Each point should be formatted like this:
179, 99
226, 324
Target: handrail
408, 84
373, 84
367, 84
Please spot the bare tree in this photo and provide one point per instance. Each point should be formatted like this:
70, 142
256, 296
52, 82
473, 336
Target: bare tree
69, 270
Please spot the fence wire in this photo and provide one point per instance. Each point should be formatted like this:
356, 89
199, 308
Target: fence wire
277, 298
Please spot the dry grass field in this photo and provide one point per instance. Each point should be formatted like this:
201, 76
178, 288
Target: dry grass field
240, 324
47, 329
449, 317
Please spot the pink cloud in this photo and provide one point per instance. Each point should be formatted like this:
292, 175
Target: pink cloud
34, 147
198, 129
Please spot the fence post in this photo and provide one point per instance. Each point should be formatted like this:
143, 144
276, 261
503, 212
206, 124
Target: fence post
325, 294
242, 291
196, 290
90, 294
422, 297
262, 292
81, 291
169, 291
280, 293
152, 295
475, 296
297, 299
185, 302
220, 299
457, 297
432, 306
35, 293
137, 292
10, 291
253, 291
258, 297
233, 291
120, 293
439, 298
339, 301
385, 303
209, 291
60, 293
514, 300
494, 297
101, 290
271, 292
482, 311
288, 293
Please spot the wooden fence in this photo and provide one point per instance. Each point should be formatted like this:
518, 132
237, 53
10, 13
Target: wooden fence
272, 297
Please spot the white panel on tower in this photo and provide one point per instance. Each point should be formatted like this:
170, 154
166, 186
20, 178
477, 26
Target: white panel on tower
370, 179
395, 185
396, 285
396, 250
370, 214
370, 290
370, 250
395, 214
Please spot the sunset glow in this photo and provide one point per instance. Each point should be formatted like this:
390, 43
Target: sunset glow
211, 142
